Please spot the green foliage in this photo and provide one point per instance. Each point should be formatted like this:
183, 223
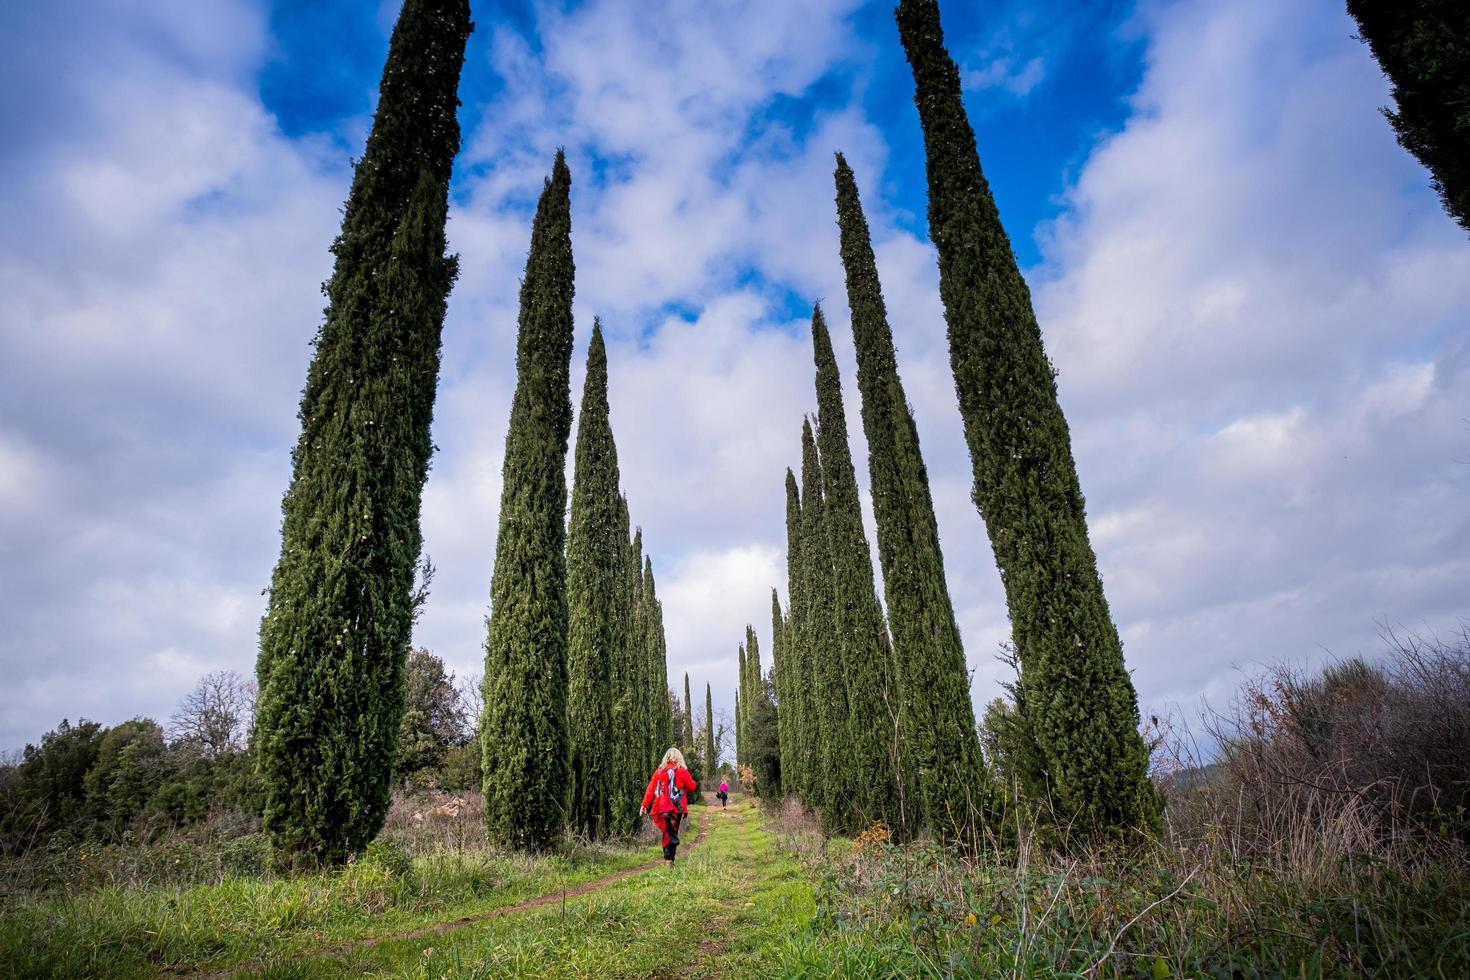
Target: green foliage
433, 719
524, 729
1423, 47
940, 752
335, 634
795, 761
827, 736
596, 539
783, 702
49, 789
131, 763
861, 637
1080, 703
660, 697
711, 756
631, 726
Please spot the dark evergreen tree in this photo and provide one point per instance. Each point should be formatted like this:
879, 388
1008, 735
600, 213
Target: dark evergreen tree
524, 730
828, 755
795, 780
711, 756
1423, 47
687, 741
660, 698
865, 657
335, 635
779, 662
740, 707
626, 735
1080, 702
936, 720
596, 603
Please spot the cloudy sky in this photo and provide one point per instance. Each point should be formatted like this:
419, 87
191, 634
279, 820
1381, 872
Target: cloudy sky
1258, 312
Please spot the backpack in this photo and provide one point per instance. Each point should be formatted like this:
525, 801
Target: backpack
676, 795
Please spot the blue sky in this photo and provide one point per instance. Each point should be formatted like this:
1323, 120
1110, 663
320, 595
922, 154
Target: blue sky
1257, 309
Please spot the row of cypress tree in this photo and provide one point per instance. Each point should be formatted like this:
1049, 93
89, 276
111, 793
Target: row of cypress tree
576, 703
876, 722
575, 646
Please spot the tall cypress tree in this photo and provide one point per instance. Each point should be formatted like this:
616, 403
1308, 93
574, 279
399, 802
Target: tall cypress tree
740, 693
523, 735
711, 760
1080, 704
334, 640
859, 625
794, 771
687, 740
779, 669
626, 734
1423, 47
595, 579
660, 701
936, 719
828, 755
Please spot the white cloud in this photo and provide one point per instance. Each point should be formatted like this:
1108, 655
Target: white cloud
1257, 309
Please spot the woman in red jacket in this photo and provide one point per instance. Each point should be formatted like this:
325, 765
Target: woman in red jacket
667, 799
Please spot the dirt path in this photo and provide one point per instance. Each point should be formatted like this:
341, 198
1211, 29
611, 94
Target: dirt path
449, 925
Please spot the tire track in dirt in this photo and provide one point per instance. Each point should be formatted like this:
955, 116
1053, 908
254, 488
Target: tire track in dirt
462, 922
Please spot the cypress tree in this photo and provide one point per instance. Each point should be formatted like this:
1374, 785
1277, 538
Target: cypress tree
626, 735
794, 767
740, 692
1080, 704
524, 735
334, 640
779, 669
1423, 46
936, 720
711, 762
595, 541
859, 618
660, 698
828, 757
688, 740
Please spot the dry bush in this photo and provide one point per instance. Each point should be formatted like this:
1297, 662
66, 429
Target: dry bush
1362, 760
434, 822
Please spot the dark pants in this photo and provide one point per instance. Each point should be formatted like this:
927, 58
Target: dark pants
723, 797
671, 833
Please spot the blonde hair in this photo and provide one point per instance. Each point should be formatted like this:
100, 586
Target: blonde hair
676, 757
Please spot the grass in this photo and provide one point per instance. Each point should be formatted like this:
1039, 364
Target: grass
767, 896
133, 930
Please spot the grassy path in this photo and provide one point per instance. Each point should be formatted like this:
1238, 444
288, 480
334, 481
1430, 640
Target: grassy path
722, 911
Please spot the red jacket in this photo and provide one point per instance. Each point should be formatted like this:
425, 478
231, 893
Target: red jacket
656, 797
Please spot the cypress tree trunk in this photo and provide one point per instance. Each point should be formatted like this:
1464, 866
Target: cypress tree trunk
1081, 706
595, 579
828, 758
859, 618
523, 735
780, 667
712, 762
795, 767
1423, 47
335, 636
936, 720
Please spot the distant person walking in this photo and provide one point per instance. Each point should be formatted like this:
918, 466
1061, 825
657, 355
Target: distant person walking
667, 798
723, 794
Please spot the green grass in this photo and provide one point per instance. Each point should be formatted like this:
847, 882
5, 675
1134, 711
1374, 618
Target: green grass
131, 931
726, 909
766, 898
